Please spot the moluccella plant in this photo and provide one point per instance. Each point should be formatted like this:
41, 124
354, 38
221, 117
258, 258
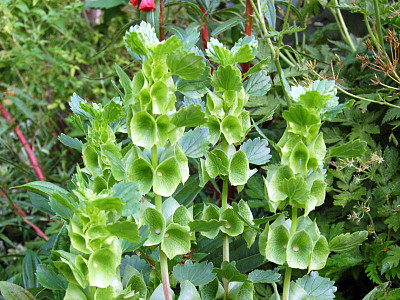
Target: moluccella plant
125, 235
298, 182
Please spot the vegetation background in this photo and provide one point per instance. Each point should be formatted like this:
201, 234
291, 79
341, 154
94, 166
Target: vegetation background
52, 49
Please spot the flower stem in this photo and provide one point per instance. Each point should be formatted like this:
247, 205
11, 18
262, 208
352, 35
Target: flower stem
163, 257
288, 272
378, 24
342, 25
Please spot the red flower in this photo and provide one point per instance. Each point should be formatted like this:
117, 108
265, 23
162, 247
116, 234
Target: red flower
134, 2
147, 5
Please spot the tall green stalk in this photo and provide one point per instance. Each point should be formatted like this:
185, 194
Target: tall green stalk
275, 54
163, 257
288, 272
378, 23
342, 26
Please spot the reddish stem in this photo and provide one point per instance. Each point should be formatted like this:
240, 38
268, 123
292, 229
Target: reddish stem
161, 21
247, 30
24, 142
204, 30
20, 212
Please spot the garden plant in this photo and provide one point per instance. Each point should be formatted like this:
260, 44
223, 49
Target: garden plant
242, 154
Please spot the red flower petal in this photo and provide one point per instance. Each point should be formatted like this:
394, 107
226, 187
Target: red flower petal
134, 2
147, 5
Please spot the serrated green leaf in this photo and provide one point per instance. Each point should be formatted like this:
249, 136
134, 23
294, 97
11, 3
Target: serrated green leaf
189, 116
68, 141
29, 265
296, 189
317, 287
217, 163
196, 273
195, 88
257, 151
349, 150
195, 142
346, 242
265, 276
186, 65
229, 272
227, 78
258, 84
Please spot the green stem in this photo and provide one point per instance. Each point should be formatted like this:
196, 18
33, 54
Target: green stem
163, 257
378, 24
372, 35
275, 54
288, 272
345, 31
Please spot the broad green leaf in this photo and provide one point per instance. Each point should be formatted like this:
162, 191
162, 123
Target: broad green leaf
50, 279
277, 243
258, 84
182, 216
212, 290
214, 129
141, 172
169, 206
299, 158
158, 293
123, 80
29, 265
299, 250
159, 94
195, 142
296, 189
137, 284
261, 65
317, 287
349, 150
206, 226
319, 255
91, 160
130, 196
241, 290
138, 38
71, 142
227, 25
104, 294
234, 225
126, 230
11, 291
182, 163
217, 52
109, 203
300, 119
346, 242
166, 47
188, 291
215, 104
167, 177
75, 105
43, 187
211, 215
143, 129
175, 241
227, 78
103, 4
232, 129
186, 65
189, 116
102, 266
156, 222
196, 273
265, 276
229, 272
117, 166
75, 292
195, 88
186, 193
238, 168
275, 195
257, 151
217, 163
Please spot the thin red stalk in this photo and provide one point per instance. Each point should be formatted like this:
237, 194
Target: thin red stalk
24, 142
161, 21
204, 30
247, 30
20, 212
